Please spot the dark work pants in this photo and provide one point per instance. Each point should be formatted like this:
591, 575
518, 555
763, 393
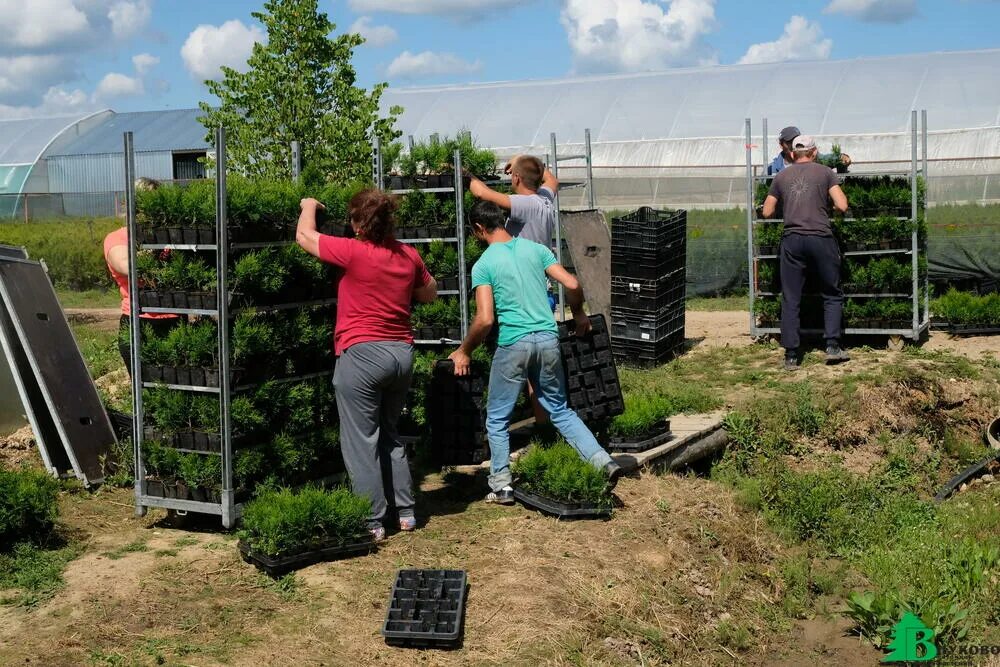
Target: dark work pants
801, 255
371, 381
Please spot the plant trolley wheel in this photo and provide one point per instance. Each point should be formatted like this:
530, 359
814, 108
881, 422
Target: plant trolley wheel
895, 343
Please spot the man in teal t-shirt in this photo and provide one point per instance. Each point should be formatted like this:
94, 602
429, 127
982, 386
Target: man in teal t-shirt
510, 282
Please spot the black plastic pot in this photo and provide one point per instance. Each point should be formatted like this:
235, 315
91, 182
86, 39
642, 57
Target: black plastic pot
190, 235
149, 299
206, 236
180, 299
162, 235
155, 488
454, 333
183, 375
169, 374
211, 377
198, 376
175, 235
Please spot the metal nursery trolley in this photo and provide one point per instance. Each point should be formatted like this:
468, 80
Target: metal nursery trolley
920, 316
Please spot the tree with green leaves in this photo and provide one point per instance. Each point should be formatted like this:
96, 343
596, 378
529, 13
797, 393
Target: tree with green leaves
300, 86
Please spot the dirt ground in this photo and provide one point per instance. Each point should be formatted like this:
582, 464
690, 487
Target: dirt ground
680, 568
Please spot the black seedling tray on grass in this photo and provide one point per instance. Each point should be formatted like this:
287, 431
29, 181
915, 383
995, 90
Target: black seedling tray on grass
560, 509
643, 442
280, 565
972, 329
426, 609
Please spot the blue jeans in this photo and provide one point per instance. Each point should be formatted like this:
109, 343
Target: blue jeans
534, 357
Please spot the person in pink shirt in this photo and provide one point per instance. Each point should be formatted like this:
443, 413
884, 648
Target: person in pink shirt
373, 341
116, 257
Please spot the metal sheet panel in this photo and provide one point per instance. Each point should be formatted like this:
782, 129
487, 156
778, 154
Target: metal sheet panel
29, 394
57, 366
589, 240
104, 173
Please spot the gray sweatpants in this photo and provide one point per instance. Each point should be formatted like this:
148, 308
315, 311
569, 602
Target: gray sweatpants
371, 381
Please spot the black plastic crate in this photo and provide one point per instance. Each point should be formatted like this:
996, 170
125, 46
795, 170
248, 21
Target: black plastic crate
648, 295
632, 266
456, 411
648, 353
647, 326
593, 389
426, 609
649, 228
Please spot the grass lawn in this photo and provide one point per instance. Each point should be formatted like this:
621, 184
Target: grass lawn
93, 298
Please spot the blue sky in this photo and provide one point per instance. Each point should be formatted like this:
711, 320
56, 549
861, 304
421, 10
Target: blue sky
62, 56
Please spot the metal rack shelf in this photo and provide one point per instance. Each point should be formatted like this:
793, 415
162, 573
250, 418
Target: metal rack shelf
312, 303
851, 296
920, 307
177, 246
180, 311
858, 253
378, 176
444, 239
181, 387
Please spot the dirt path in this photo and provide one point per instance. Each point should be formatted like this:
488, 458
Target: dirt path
732, 329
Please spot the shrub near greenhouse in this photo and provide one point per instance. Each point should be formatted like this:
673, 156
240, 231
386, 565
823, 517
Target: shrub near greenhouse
27, 506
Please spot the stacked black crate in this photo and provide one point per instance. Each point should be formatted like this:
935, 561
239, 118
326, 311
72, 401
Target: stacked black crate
648, 282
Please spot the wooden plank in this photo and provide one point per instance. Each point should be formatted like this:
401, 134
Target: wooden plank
588, 238
686, 429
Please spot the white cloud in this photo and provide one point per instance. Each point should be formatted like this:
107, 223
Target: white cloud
375, 35
874, 11
129, 18
115, 84
56, 101
464, 7
38, 24
21, 77
429, 63
209, 47
143, 62
637, 35
801, 40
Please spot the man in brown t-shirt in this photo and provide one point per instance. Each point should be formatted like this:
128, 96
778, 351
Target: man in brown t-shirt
804, 190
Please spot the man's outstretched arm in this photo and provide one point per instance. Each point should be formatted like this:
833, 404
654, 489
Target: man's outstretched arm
479, 329
480, 190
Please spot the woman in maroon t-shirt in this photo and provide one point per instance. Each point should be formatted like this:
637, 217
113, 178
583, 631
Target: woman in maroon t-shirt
374, 345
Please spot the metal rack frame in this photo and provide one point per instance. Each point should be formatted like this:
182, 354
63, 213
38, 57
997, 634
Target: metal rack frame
918, 169
378, 176
554, 159
228, 509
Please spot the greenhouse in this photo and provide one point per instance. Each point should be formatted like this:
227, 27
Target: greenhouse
676, 137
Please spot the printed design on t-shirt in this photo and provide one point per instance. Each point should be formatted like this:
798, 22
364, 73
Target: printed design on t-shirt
800, 186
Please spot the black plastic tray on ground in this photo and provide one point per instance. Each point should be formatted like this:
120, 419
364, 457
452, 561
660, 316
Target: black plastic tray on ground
426, 609
560, 509
643, 442
281, 565
594, 391
972, 329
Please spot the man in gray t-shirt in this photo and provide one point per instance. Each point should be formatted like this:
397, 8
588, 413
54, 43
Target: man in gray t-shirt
804, 189
532, 206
